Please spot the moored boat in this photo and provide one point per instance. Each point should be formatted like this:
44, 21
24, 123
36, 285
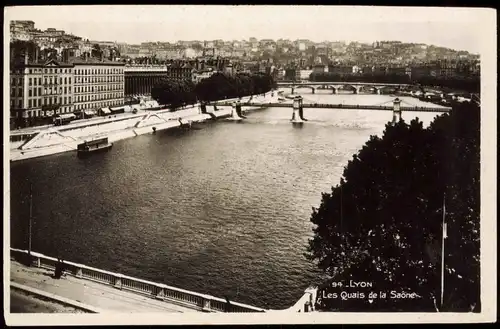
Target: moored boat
93, 146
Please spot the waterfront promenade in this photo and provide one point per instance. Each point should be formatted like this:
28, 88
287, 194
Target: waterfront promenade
93, 294
91, 290
32, 142
108, 291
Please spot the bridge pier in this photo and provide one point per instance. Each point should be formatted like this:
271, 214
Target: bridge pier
396, 111
293, 90
298, 111
236, 111
356, 89
377, 91
313, 90
334, 90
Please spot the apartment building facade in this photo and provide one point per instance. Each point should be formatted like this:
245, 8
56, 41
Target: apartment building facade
41, 89
98, 84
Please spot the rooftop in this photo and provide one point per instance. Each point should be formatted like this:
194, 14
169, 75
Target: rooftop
93, 61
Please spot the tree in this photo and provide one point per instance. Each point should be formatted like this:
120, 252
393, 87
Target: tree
96, 51
217, 87
382, 223
19, 48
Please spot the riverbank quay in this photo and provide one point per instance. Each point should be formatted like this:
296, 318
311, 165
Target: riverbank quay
96, 291
32, 143
95, 295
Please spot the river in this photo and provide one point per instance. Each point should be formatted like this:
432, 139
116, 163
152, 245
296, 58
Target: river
223, 209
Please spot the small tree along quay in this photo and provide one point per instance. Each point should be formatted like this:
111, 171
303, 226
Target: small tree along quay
176, 93
382, 225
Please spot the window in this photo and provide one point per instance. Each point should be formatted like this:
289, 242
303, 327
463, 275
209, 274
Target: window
31, 71
65, 99
20, 92
69, 100
40, 81
29, 81
45, 101
30, 104
39, 102
70, 80
65, 80
20, 103
34, 92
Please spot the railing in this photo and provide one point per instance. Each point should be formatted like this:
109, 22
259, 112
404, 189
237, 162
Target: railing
350, 107
320, 83
194, 300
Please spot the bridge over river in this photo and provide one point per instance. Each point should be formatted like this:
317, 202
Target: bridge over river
298, 106
382, 106
356, 87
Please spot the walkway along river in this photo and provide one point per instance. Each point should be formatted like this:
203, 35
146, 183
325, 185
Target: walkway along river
222, 210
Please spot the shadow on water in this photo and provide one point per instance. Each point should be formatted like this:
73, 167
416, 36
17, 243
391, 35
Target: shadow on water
298, 125
175, 132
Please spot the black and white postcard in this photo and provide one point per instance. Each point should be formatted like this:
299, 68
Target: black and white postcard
249, 164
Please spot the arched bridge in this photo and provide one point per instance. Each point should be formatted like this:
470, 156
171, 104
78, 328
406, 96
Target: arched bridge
356, 87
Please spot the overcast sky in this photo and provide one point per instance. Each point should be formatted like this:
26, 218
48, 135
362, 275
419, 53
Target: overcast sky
456, 28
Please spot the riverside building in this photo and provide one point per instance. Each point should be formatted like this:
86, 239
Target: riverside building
40, 90
98, 84
140, 79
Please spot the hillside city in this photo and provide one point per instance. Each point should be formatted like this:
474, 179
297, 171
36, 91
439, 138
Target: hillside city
299, 57
68, 66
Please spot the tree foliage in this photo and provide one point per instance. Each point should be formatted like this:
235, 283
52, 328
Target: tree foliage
219, 86
175, 93
96, 51
383, 222
19, 48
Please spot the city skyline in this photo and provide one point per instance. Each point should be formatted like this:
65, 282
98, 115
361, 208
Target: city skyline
445, 27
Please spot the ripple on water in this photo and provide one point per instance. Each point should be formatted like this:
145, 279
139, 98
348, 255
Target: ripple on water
223, 210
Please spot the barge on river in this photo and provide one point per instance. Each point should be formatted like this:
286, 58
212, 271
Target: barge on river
93, 146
